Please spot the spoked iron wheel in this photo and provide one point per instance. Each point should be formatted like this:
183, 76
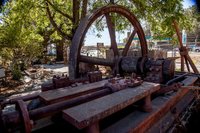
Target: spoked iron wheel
77, 42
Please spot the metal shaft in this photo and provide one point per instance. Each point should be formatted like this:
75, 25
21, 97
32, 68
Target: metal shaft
56, 107
13, 119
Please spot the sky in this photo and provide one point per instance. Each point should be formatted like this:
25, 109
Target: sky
188, 3
91, 38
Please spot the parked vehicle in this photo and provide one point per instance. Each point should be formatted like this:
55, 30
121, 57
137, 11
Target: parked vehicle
191, 47
196, 49
175, 49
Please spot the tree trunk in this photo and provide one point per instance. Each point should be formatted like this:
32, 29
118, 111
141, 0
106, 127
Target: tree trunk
59, 52
45, 54
196, 39
76, 14
112, 1
84, 8
65, 53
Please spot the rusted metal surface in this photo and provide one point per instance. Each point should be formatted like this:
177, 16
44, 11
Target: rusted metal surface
24, 98
1, 119
17, 119
147, 123
187, 64
134, 82
128, 44
61, 82
160, 70
117, 84
140, 122
24, 116
93, 128
176, 79
47, 86
184, 52
130, 64
85, 23
182, 64
80, 98
172, 87
53, 96
95, 60
168, 69
94, 76
111, 29
155, 72
51, 109
10, 121
167, 106
57, 107
147, 107
192, 64
98, 109
104, 98
172, 115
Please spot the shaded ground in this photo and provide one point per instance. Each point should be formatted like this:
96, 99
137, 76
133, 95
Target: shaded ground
193, 125
31, 81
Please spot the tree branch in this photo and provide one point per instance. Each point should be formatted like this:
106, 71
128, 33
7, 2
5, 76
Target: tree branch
59, 11
76, 8
112, 1
84, 8
58, 29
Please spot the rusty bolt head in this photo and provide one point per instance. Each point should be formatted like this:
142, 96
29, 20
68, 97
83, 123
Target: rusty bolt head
157, 69
111, 81
151, 68
133, 75
139, 78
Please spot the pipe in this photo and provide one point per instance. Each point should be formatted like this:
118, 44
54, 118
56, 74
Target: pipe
24, 98
56, 107
96, 61
12, 119
176, 79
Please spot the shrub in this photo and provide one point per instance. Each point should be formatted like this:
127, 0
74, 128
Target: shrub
16, 73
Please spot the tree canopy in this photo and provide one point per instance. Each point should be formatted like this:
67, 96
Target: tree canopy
27, 26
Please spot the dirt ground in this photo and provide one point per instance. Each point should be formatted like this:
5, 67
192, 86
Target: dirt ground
195, 56
30, 81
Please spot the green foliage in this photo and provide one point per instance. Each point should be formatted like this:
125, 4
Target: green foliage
16, 73
19, 38
158, 14
194, 19
26, 26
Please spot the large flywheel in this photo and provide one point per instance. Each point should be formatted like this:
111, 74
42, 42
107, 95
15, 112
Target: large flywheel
77, 42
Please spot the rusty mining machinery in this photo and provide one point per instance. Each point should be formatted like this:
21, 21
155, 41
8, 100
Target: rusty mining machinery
151, 99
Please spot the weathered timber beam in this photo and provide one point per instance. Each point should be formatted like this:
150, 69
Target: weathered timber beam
13, 119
